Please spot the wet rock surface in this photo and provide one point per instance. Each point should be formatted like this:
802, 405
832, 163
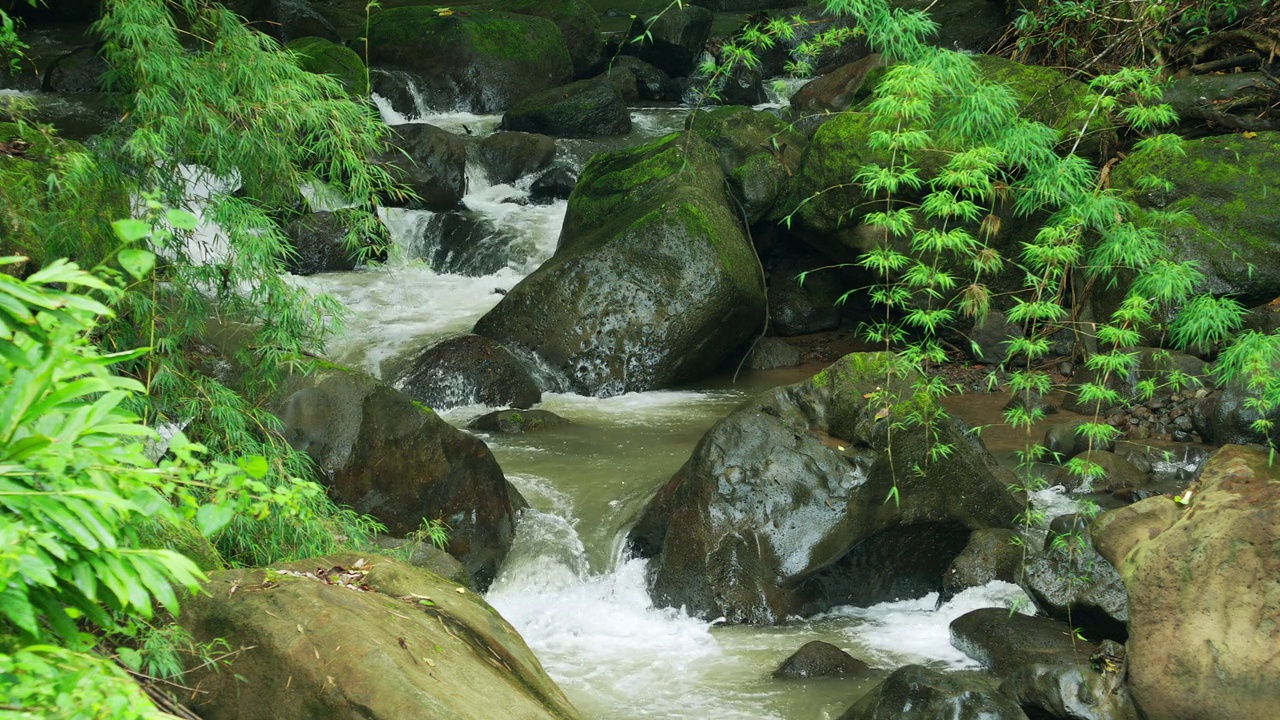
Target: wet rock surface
467, 370
819, 659
917, 693
387, 456
781, 508
1005, 642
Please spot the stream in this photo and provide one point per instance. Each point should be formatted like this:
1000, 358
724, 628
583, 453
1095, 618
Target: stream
580, 604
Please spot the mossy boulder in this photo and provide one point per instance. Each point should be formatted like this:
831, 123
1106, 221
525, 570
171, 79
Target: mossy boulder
73, 221
1228, 184
781, 509
320, 56
1204, 597
1050, 97
478, 61
587, 108
578, 23
390, 457
347, 636
653, 282
758, 152
517, 421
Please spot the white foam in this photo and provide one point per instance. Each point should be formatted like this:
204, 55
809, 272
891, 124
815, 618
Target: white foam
912, 631
656, 407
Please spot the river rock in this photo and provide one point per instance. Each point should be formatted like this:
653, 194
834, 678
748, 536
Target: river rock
987, 340
509, 156
1225, 418
914, 692
991, 554
319, 243
971, 26
361, 636
587, 108
1105, 472
758, 152
578, 23
387, 456
1005, 642
78, 71
1228, 184
429, 161
819, 659
467, 370
555, 184
1072, 582
1204, 620
424, 556
1156, 365
288, 20
800, 308
781, 510
647, 81
1062, 442
517, 421
674, 41
771, 353
478, 61
1070, 692
837, 90
320, 56
652, 283
741, 85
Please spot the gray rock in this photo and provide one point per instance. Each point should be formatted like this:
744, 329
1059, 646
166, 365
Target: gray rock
819, 659
1004, 642
1106, 472
991, 554
771, 353
587, 108
466, 370
781, 510
509, 156
1071, 581
917, 693
672, 43
319, 241
1070, 692
517, 421
429, 161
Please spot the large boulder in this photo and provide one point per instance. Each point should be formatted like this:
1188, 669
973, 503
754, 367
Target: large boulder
758, 152
783, 507
1072, 582
387, 456
351, 636
1227, 184
1204, 598
478, 61
587, 108
914, 692
673, 41
653, 282
467, 370
429, 161
578, 23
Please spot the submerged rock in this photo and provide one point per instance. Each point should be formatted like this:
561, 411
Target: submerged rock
387, 456
347, 636
819, 659
653, 282
517, 421
781, 510
1204, 620
917, 693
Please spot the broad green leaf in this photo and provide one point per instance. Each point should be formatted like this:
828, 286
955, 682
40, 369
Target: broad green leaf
137, 262
212, 517
131, 230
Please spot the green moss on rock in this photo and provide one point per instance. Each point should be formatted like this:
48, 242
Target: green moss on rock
320, 56
1050, 97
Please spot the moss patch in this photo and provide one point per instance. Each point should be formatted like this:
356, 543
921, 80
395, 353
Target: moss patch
322, 57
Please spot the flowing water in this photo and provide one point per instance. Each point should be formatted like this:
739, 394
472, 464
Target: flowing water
566, 586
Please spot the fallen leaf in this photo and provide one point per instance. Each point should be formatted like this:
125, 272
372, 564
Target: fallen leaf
1250, 135
461, 591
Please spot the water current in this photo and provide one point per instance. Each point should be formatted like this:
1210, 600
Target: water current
566, 586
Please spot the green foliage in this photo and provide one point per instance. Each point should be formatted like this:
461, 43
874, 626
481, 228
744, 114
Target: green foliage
76, 481
435, 532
